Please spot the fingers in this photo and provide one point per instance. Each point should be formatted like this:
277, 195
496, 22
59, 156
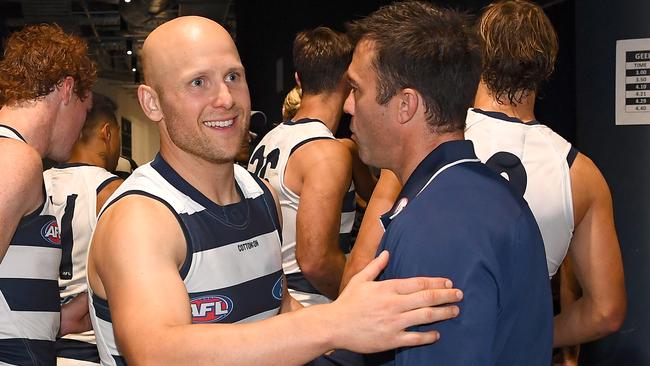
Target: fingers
409, 339
372, 270
410, 285
427, 315
426, 298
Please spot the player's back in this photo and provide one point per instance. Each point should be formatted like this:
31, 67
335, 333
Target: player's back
73, 190
536, 161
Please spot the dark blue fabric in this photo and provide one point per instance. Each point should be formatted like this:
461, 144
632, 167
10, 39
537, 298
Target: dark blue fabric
27, 352
469, 225
77, 350
29, 294
240, 295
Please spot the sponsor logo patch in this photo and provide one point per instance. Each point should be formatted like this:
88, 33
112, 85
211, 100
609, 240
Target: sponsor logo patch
277, 289
211, 308
51, 232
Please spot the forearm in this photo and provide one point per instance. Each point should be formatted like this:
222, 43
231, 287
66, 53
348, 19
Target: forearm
324, 272
583, 322
288, 339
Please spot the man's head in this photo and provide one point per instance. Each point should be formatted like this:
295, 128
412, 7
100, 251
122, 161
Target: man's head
410, 58
36, 61
43, 63
196, 90
519, 48
101, 131
320, 57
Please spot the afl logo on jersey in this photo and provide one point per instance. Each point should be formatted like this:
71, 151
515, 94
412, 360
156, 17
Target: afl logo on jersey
277, 289
210, 309
51, 232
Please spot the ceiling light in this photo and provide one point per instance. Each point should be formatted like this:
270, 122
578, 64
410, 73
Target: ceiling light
129, 52
134, 69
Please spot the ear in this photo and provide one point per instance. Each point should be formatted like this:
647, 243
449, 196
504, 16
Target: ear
149, 102
295, 76
408, 103
67, 89
105, 132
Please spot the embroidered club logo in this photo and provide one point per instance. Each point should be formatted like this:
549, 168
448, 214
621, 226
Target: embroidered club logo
51, 232
210, 309
277, 289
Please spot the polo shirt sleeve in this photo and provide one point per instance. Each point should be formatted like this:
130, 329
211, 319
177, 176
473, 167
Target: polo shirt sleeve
448, 248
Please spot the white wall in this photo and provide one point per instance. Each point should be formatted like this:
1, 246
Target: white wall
145, 140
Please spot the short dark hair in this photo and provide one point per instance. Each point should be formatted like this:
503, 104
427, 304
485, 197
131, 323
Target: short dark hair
430, 49
103, 111
519, 48
37, 59
320, 57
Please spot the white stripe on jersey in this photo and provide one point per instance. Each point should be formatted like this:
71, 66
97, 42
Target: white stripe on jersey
250, 264
43, 325
39, 266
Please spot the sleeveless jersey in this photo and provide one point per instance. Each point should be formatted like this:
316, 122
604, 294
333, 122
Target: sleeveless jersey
29, 295
269, 161
536, 161
233, 269
73, 190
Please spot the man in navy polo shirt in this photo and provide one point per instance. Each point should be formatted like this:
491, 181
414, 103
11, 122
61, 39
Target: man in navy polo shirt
413, 74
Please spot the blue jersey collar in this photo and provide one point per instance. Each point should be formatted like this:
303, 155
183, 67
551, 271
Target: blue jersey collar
445, 155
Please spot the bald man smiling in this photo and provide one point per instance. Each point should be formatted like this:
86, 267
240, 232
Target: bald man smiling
189, 244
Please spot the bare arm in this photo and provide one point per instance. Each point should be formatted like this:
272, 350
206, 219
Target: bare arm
21, 187
596, 261
324, 169
369, 316
370, 233
364, 181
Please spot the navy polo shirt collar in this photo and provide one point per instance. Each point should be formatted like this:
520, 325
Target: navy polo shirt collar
442, 157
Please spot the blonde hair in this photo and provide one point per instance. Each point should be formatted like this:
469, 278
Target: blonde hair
291, 103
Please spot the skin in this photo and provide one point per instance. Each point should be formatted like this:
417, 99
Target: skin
371, 231
594, 250
321, 195
50, 126
102, 149
369, 317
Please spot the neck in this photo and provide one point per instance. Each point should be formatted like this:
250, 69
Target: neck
88, 154
215, 180
524, 111
327, 107
33, 120
418, 149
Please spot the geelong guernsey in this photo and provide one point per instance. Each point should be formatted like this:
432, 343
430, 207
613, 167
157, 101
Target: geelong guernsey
536, 161
29, 295
269, 161
73, 190
233, 268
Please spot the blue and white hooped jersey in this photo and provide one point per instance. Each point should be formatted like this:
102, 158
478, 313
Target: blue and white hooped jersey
29, 293
269, 161
73, 190
233, 267
536, 161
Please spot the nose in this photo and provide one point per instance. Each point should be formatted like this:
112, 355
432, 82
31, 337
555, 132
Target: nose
348, 106
223, 98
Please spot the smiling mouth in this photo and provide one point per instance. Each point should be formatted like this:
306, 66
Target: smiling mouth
222, 124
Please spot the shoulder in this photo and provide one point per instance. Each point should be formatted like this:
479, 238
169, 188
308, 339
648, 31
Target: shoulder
588, 186
22, 170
